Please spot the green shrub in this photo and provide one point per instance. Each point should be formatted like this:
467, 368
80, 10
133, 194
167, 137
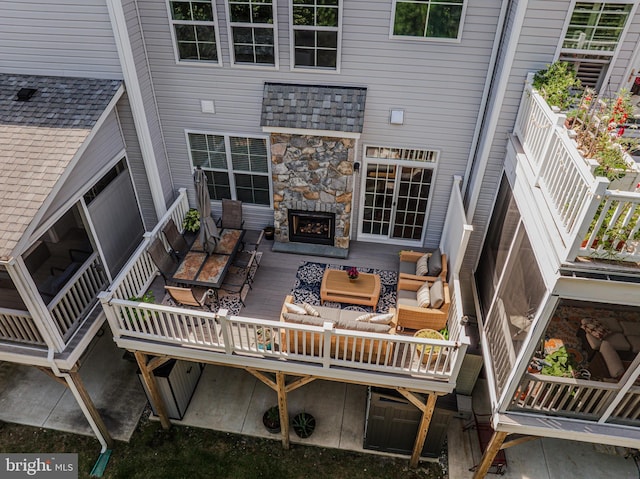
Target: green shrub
556, 84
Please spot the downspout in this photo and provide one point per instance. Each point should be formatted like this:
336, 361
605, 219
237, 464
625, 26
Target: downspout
76, 394
134, 92
482, 157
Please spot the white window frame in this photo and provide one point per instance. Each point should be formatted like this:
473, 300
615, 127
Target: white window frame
292, 45
410, 38
176, 52
230, 171
273, 26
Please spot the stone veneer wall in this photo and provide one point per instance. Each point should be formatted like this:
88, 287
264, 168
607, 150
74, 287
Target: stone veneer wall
312, 173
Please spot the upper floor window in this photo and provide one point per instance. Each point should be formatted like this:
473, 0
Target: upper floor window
253, 32
316, 33
236, 167
439, 19
593, 35
194, 29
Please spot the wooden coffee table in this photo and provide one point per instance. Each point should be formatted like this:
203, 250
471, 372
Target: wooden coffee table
336, 286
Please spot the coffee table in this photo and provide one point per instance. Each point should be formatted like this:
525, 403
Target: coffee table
336, 286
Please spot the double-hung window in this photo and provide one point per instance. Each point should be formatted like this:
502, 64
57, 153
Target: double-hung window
194, 30
316, 34
592, 37
236, 167
252, 31
430, 19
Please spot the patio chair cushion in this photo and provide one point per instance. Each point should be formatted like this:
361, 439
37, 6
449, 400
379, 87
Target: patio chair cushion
423, 296
421, 265
437, 294
338, 323
634, 341
407, 267
618, 341
611, 359
435, 263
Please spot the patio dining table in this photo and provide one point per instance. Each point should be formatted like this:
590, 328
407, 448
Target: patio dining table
198, 268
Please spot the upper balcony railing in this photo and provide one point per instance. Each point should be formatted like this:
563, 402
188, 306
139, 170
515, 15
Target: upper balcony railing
591, 217
293, 345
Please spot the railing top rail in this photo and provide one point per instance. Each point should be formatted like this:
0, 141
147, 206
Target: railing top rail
631, 196
15, 312
571, 381
163, 308
85, 266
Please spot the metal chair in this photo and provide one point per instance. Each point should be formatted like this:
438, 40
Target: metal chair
197, 297
166, 263
231, 215
238, 277
178, 243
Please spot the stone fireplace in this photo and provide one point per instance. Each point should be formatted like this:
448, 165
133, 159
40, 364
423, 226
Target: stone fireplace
311, 227
312, 174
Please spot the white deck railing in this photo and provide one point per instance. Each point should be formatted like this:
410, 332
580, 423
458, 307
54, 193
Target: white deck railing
19, 326
572, 193
629, 408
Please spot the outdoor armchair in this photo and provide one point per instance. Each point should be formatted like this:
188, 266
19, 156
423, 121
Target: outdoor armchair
231, 215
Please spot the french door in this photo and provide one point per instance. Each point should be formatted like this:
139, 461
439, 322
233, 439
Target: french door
394, 201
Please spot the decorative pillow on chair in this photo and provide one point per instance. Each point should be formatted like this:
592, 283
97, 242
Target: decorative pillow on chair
382, 318
595, 328
311, 311
422, 296
295, 308
435, 263
437, 294
366, 317
421, 265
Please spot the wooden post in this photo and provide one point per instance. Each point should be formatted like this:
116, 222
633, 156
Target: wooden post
427, 414
495, 444
282, 406
93, 412
150, 381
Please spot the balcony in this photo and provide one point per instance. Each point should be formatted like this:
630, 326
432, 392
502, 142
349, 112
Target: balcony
381, 359
586, 215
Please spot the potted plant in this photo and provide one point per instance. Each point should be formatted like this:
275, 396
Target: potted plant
557, 84
353, 273
269, 232
271, 419
558, 363
303, 424
191, 222
132, 315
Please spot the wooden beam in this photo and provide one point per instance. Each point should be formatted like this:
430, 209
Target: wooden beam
495, 444
263, 377
282, 406
50, 373
155, 363
299, 382
427, 414
152, 386
93, 412
518, 440
412, 398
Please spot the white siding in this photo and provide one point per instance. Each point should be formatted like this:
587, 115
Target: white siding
439, 85
58, 38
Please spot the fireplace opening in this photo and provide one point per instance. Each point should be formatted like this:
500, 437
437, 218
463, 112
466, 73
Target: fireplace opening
311, 227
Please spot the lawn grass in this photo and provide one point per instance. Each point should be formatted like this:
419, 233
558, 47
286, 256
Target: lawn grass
187, 452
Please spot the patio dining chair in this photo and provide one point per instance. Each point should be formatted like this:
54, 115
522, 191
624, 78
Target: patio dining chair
166, 263
178, 243
197, 297
231, 215
238, 277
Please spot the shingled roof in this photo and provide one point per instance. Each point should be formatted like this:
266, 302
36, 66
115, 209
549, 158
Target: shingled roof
313, 107
38, 139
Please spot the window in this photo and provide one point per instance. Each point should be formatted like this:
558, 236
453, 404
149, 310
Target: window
440, 19
316, 33
194, 29
236, 167
252, 31
592, 37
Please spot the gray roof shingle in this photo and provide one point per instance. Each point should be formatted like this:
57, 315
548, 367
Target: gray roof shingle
311, 107
38, 139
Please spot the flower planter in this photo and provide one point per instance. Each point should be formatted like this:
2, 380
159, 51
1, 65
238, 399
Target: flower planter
304, 424
271, 420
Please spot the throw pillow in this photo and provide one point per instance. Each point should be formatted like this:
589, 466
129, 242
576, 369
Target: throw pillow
311, 311
294, 308
382, 318
422, 296
595, 328
437, 294
435, 263
421, 265
366, 317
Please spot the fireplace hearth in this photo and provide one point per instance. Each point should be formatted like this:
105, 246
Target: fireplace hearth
311, 227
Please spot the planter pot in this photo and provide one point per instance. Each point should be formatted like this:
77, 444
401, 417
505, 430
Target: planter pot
304, 424
271, 420
269, 232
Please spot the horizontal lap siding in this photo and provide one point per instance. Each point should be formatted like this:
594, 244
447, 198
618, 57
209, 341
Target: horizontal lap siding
439, 85
622, 67
60, 38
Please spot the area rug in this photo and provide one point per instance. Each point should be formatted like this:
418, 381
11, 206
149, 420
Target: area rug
229, 301
309, 278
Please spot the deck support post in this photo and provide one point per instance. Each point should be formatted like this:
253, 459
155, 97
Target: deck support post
282, 407
152, 386
495, 444
427, 409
